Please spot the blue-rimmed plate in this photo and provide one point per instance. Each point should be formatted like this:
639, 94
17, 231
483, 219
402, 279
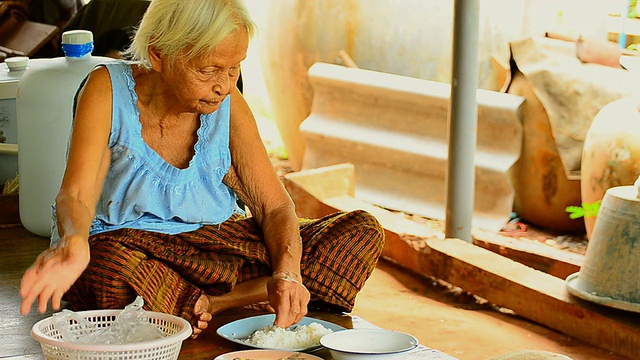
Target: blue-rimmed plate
238, 331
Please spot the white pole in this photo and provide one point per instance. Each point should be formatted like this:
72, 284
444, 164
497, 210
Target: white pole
463, 121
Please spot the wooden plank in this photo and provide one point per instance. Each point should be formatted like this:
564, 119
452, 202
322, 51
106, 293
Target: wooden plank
18, 252
530, 293
28, 37
538, 256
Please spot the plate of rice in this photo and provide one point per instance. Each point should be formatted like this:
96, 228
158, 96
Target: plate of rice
258, 332
266, 355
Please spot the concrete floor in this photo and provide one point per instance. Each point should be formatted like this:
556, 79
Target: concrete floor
457, 323
441, 316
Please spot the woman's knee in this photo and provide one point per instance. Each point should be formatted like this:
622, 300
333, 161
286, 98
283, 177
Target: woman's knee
365, 222
357, 230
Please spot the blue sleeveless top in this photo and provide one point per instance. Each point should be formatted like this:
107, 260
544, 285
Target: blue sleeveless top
143, 191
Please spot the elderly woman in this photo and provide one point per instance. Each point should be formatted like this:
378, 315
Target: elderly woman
162, 147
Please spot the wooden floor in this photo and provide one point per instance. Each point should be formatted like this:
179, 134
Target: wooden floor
440, 318
18, 249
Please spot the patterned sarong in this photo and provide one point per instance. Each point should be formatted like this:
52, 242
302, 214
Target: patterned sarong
171, 272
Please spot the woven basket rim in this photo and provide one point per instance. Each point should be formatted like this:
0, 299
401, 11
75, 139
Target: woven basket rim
176, 338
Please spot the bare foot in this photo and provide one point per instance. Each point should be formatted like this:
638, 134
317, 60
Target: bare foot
201, 315
248, 292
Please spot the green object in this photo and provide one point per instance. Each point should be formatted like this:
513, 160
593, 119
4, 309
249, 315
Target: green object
280, 152
632, 13
586, 210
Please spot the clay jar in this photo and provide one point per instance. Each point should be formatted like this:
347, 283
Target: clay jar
611, 152
542, 189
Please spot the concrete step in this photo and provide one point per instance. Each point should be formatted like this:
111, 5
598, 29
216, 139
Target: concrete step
394, 130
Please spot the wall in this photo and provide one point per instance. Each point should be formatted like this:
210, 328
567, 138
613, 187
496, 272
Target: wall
402, 37
400, 25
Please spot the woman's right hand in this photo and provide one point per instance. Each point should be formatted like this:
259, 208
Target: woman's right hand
288, 297
53, 273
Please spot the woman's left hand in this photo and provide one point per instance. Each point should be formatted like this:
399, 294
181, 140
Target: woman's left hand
288, 297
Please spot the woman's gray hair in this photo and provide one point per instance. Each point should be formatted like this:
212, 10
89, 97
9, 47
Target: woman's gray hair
187, 28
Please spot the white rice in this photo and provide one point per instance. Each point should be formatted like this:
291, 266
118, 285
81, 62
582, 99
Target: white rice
301, 337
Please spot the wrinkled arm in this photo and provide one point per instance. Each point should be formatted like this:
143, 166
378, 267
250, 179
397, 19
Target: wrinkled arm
254, 179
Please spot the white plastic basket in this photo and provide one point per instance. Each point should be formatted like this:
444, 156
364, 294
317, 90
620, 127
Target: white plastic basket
175, 328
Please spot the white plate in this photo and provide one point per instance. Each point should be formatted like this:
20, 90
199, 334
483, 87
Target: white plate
243, 328
266, 355
369, 342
